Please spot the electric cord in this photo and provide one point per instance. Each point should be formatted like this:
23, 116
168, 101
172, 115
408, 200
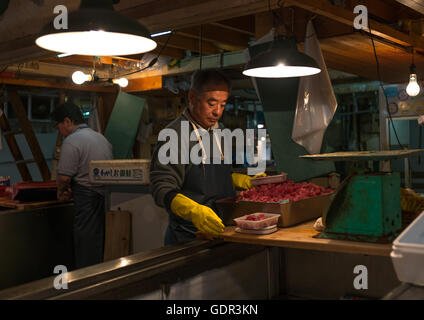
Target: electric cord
382, 87
151, 63
201, 48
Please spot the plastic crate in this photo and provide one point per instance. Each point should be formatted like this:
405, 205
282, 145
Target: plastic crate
408, 253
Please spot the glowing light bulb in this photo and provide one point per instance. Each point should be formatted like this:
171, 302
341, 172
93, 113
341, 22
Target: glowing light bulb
413, 89
80, 77
123, 82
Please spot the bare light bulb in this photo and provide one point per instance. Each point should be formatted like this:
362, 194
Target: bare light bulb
123, 82
413, 89
80, 77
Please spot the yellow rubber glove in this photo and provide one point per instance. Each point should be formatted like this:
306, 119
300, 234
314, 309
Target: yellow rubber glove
242, 181
203, 217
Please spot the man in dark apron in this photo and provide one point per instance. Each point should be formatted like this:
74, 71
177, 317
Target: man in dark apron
80, 146
188, 190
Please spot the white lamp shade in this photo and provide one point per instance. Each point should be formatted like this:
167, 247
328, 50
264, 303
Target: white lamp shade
96, 29
96, 43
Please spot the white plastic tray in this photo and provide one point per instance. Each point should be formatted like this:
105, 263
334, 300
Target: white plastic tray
266, 230
408, 253
270, 220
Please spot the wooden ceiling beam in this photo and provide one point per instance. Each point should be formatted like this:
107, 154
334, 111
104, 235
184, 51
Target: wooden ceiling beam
344, 16
55, 84
144, 84
134, 85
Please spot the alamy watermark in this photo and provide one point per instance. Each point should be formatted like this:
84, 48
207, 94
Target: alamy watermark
361, 21
360, 282
176, 149
61, 20
60, 281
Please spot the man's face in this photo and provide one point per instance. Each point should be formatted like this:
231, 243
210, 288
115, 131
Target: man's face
207, 107
65, 127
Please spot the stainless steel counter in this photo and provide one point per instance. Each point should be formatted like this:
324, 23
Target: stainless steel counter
133, 276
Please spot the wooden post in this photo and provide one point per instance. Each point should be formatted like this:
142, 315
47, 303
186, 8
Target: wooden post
59, 139
117, 234
29, 134
14, 149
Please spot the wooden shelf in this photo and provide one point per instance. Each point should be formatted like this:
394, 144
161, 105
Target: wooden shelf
17, 205
302, 237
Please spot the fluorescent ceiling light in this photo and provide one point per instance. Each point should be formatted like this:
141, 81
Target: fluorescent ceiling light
160, 34
96, 29
62, 55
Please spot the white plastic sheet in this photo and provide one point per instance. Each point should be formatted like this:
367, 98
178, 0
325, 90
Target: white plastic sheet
316, 102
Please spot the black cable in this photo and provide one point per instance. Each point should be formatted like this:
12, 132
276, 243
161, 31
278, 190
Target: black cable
201, 48
151, 63
5, 68
382, 87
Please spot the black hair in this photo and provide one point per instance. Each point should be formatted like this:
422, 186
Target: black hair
201, 78
67, 110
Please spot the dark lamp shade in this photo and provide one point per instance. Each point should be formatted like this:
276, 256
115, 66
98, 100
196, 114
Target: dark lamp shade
97, 31
283, 60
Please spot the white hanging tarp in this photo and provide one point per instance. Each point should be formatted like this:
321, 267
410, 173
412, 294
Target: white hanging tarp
316, 102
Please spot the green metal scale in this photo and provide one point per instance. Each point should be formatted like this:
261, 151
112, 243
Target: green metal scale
367, 205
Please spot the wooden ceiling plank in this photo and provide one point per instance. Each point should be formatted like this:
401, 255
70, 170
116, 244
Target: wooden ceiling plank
244, 24
378, 8
203, 13
394, 74
180, 42
414, 5
218, 34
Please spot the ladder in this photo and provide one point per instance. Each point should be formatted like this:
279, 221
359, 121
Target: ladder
26, 129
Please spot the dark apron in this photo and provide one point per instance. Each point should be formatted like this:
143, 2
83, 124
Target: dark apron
89, 226
203, 183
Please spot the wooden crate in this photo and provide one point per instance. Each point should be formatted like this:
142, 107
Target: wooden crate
292, 213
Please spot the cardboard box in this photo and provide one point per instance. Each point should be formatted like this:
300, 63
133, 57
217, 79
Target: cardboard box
131, 171
291, 213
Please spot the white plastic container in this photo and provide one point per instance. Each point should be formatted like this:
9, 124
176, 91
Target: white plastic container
269, 219
408, 253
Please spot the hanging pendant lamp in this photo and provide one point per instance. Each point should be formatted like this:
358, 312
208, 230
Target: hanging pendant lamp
96, 29
282, 60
